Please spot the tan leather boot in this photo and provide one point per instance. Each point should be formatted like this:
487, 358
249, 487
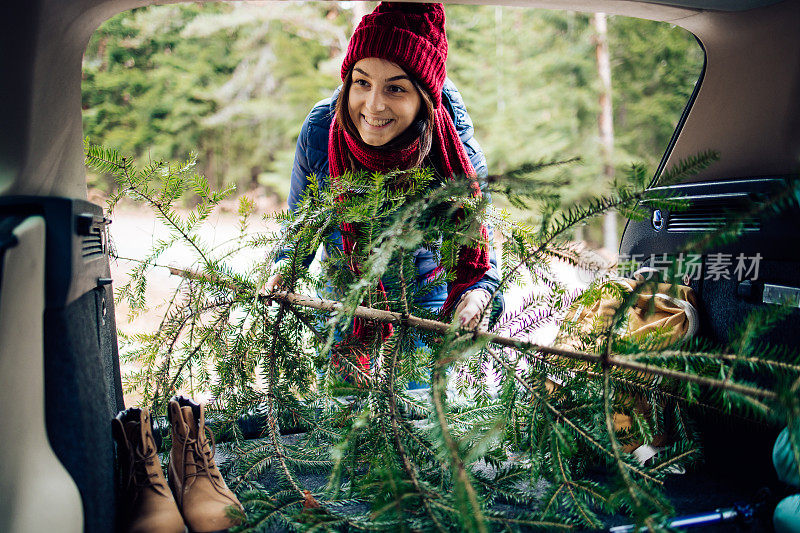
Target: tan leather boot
202, 495
147, 505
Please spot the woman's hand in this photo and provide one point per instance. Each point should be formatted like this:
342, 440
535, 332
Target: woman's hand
275, 281
471, 306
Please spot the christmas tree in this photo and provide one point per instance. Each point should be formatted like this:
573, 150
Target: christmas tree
510, 435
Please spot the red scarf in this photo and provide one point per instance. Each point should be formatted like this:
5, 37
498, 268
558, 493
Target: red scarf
473, 262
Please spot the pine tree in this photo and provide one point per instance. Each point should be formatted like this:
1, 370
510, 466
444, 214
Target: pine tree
231, 82
463, 458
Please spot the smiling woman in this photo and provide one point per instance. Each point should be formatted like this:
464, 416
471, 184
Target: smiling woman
397, 111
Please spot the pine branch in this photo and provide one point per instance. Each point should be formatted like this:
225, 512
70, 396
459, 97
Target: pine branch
468, 463
558, 415
474, 515
441, 327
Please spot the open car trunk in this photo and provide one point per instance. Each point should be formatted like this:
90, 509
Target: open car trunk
59, 371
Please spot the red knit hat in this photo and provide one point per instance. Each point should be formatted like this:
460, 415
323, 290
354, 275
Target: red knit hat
409, 34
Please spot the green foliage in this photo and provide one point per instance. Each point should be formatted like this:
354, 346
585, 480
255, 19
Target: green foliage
233, 83
463, 457
649, 91
529, 78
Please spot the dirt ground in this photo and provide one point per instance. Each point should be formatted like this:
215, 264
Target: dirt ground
134, 231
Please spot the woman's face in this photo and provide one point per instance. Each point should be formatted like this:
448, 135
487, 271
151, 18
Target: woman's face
383, 102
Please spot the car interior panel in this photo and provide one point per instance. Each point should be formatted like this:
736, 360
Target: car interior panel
31, 472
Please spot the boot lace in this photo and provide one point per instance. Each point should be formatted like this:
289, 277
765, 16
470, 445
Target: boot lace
202, 458
140, 476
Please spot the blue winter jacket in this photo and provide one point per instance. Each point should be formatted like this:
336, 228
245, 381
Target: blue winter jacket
311, 159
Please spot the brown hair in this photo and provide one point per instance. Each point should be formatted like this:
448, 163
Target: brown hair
427, 114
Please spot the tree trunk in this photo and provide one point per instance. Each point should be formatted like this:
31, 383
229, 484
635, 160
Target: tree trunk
498, 52
606, 123
359, 10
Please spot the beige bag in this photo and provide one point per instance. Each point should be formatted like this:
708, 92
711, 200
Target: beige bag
657, 319
656, 316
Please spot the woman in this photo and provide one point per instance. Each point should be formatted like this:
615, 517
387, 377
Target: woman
397, 110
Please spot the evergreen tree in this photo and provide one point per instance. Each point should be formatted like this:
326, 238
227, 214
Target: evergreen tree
650, 89
518, 459
231, 82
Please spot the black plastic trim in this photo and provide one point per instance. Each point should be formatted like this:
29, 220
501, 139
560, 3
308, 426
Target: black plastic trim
678, 128
72, 262
7, 239
684, 116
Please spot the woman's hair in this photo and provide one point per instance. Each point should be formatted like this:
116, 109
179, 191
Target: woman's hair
421, 128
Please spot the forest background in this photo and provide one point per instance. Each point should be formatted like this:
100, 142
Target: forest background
233, 82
